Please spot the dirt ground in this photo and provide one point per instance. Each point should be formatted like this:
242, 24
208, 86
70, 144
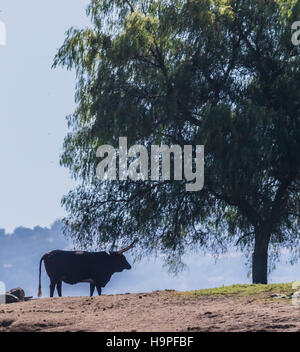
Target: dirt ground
156, 311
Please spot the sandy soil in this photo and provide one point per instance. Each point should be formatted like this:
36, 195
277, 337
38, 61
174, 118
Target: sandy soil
156, 311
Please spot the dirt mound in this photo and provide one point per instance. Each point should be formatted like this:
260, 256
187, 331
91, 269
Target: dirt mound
156, 311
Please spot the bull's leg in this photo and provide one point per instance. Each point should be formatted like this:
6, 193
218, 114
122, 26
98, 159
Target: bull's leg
58, 287
92, 289
52, 287
98, 289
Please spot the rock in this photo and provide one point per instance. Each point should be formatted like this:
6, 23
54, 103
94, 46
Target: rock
277, 295
18, 292
6, 322
13, 296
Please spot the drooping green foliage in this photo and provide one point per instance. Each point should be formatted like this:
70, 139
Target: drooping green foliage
221, 73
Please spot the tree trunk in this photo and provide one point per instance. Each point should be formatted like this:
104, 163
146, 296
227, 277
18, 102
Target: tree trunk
260, 258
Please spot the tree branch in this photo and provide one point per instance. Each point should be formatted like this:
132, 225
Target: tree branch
242, 237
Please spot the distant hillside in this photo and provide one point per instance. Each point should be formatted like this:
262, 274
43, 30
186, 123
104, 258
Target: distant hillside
21, 251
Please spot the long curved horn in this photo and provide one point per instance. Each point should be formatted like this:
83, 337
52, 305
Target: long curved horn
127, 248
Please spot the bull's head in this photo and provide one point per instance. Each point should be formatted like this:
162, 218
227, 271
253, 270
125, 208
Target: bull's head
120, 261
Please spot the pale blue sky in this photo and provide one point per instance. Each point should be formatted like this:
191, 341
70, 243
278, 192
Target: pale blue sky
34, 100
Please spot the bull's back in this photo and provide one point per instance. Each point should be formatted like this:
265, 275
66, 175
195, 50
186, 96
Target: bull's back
69, 266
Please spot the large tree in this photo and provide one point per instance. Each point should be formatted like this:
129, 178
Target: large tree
219, 73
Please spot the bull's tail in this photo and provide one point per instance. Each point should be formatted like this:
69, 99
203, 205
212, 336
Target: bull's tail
40, 286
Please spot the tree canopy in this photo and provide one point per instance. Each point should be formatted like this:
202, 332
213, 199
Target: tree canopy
219, 73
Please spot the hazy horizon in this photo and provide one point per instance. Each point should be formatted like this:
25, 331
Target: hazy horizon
22, 250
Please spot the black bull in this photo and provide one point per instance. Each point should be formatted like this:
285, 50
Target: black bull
73, 267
